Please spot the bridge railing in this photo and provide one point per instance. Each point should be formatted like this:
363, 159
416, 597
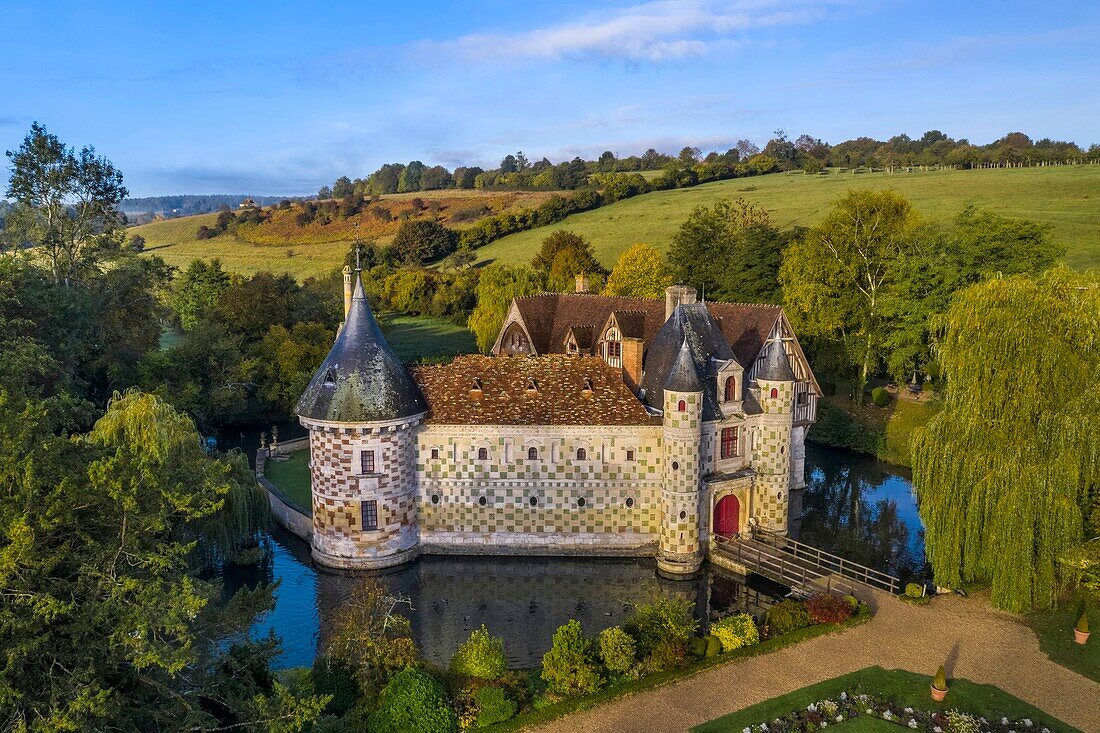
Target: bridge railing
828, 563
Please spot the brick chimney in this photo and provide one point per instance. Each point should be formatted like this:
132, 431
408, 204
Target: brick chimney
632, 363
676, 295
582, 283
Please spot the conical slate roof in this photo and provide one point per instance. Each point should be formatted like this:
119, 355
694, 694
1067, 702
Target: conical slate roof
682, 377
691, 324
361, 379
775, 367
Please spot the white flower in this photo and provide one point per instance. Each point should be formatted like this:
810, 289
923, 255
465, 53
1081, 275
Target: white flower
886, 715
870, 711
824, 724
1004, 721
908, 711
811, 707
840, 718
844, 696
913, 724
937, 729
1027, 722
746, 730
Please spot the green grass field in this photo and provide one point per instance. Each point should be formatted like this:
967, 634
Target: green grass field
1055, 631
418, 338
901, 687
291, 478
1066, 197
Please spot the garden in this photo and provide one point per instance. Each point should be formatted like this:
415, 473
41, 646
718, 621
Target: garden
876, 699
372, 677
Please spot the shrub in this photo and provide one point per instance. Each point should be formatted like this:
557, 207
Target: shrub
481, 656
880, 397
914, 590
697, 647
853, 602
1083, 622
787, 616
736, 631
668, 654
940, 680
413, 702
616, 650
714, 645
493, 706
569, 668
336, 679
825, 608
664, 619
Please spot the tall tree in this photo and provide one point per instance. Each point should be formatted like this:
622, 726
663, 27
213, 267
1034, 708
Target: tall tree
496, 288
836, 278
66, 202
1007, 474
640, 273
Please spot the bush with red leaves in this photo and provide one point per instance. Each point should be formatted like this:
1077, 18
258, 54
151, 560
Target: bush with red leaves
828, 609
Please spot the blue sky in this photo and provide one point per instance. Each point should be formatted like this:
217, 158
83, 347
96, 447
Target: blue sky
278, 98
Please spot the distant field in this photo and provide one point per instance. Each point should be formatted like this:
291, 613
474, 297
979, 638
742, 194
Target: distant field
1066, 197
414, 338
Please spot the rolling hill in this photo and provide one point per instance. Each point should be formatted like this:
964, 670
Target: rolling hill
1068, 198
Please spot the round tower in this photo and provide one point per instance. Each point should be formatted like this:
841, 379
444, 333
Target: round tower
772, 456
362, 410
680, 552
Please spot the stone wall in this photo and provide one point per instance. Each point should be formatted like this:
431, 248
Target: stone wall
554, 503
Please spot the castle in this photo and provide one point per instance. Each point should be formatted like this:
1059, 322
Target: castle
598, 426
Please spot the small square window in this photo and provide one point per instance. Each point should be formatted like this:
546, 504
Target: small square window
630, 455
435, 453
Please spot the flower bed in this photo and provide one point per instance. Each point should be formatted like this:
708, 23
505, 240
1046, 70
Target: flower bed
851, 705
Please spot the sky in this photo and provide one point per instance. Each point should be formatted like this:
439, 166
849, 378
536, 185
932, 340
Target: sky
278, 98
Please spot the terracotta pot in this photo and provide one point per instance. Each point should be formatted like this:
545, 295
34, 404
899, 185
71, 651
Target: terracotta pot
938, 695
1081, 636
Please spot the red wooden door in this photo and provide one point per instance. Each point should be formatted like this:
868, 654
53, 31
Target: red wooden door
727, 515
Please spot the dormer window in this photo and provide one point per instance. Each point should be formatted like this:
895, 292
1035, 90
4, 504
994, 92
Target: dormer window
532, 385
582, 454
532, 453
613, 347
730, 392
330, 378
587, 390
475, 387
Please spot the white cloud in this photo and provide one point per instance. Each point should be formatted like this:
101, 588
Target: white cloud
656, 31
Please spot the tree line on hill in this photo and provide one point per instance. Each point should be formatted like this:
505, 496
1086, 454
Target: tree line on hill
148, 208
806, 152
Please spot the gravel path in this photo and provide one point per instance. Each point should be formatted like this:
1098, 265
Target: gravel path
974, 641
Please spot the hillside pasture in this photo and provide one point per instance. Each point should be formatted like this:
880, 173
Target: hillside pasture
1067, 197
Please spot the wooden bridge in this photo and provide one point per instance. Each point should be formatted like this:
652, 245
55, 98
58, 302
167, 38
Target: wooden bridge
803, 568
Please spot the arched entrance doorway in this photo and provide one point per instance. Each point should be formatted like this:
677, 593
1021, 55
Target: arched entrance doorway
727, 516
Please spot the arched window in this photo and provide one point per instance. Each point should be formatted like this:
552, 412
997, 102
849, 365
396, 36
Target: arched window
532, 454
681, 406
731, 389
582, 454
775, 393
483, 454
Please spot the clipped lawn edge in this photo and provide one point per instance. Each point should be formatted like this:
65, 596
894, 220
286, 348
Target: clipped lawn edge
649, 682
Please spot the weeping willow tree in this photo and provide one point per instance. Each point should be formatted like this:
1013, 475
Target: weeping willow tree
1008, 472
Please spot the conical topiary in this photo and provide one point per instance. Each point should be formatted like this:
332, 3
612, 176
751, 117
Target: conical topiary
940, 680
1083, 622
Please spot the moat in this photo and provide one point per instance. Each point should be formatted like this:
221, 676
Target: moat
853, 505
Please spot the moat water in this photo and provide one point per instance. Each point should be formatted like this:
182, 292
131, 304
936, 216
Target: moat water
853, 505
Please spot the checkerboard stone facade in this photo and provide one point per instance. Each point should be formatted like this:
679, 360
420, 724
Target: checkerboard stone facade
478, 489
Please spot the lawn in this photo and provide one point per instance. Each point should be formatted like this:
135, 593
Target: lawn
1066, 197
291, 479
901, 687
423, 338
1055, 632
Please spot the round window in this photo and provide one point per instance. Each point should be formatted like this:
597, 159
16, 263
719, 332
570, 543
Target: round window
481, 501
630, 502
580, 501
675, 465
683, 514
435, 498
534, 501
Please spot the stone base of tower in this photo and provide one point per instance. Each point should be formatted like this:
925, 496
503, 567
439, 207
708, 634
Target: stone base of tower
679, 567
364, 563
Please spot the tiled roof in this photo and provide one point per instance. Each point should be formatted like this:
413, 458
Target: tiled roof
495, 390
549, 316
